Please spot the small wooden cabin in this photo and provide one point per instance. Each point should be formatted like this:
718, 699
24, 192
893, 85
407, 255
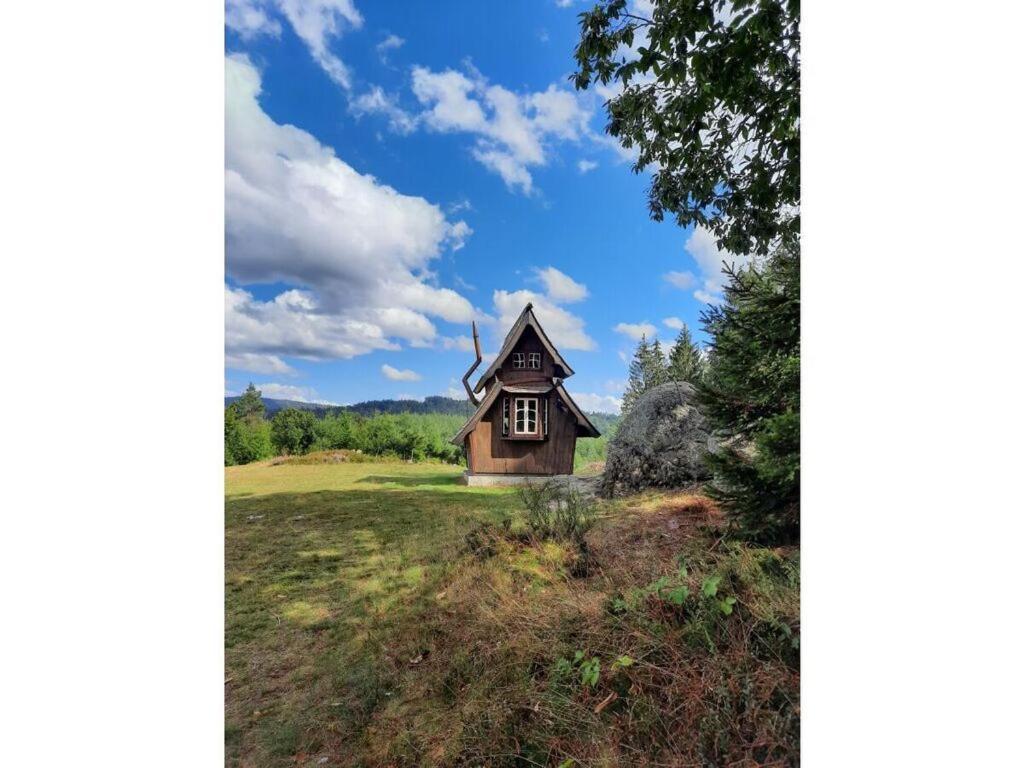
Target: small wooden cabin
525, 423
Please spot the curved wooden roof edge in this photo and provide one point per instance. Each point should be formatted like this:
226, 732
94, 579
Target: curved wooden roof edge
582, 422
526, 317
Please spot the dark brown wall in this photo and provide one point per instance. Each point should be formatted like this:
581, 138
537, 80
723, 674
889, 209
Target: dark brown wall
490, 452
528, 342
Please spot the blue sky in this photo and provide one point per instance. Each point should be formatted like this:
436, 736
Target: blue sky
396, 170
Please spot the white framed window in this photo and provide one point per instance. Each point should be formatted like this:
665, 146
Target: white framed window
526, 415
535, 360
518, 360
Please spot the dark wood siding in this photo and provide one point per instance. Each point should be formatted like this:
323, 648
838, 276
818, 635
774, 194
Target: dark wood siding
529, 342
489, 452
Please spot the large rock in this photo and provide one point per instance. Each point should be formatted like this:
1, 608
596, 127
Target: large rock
660, 442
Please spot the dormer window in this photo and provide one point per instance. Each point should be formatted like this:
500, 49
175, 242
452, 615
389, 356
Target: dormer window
518, 360
534, 360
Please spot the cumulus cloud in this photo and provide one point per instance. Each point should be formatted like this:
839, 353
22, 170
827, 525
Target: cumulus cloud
461, 343
298, 214
396, 374
315, 22
594, 403
563, 328
709, 258
636, 331
256, 363
586, 166
674, 323
513, 131
560, 287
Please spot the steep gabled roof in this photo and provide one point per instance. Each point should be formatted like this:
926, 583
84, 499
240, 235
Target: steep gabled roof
481, 409
526, 319
583, 426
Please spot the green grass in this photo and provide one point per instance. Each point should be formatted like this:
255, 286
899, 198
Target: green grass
322, 563
364, 629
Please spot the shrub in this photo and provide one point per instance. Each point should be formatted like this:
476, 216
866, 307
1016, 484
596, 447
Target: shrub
245, 440
556, 512
293, 431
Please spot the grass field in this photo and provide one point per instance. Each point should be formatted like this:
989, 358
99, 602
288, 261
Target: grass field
361, 630
320, 561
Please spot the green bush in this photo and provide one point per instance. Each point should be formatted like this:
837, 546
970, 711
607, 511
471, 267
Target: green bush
293, 432
245, 439
554, 512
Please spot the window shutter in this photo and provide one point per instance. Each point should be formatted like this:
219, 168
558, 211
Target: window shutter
546, 416
504, 417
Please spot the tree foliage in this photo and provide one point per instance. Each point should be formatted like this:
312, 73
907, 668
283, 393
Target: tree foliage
751, 394
250, 405
245, 439
292, 431
684, 361
647, 370
710, 98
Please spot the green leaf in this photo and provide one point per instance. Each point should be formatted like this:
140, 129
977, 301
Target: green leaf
577, 657
590, 671
710, 586
622, 661
678, 595
725, 606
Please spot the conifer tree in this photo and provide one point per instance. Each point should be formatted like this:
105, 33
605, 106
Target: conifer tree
751, 394
250, 406
646, 370
684, 361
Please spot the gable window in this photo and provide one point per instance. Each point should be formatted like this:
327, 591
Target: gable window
518, 360
526, 416
535, 360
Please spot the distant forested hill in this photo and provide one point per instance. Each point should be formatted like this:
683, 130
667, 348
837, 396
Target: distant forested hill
605, 422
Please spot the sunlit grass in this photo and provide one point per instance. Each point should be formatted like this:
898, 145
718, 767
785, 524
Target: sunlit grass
321, 562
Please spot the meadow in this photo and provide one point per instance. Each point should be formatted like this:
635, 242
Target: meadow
378, 613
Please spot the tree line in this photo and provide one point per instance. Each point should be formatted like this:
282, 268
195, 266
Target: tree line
250, 436
651, 366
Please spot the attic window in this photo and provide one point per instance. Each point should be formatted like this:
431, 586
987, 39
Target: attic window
535, 360
518, 360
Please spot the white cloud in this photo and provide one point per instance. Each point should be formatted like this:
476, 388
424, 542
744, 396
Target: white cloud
586, 166
277, 391
681, 280
513, 131
316, 22
636, 331
298, 214
594, 403
396, 374
674, 323
249, 19
701, 246
376, 101
257, 363
560, 287
388, 44
461, 343
563, 328
564, 3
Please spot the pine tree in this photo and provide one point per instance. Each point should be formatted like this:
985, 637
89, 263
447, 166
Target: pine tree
249, 406
751, 394
646, 370
656, 370
684, 361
